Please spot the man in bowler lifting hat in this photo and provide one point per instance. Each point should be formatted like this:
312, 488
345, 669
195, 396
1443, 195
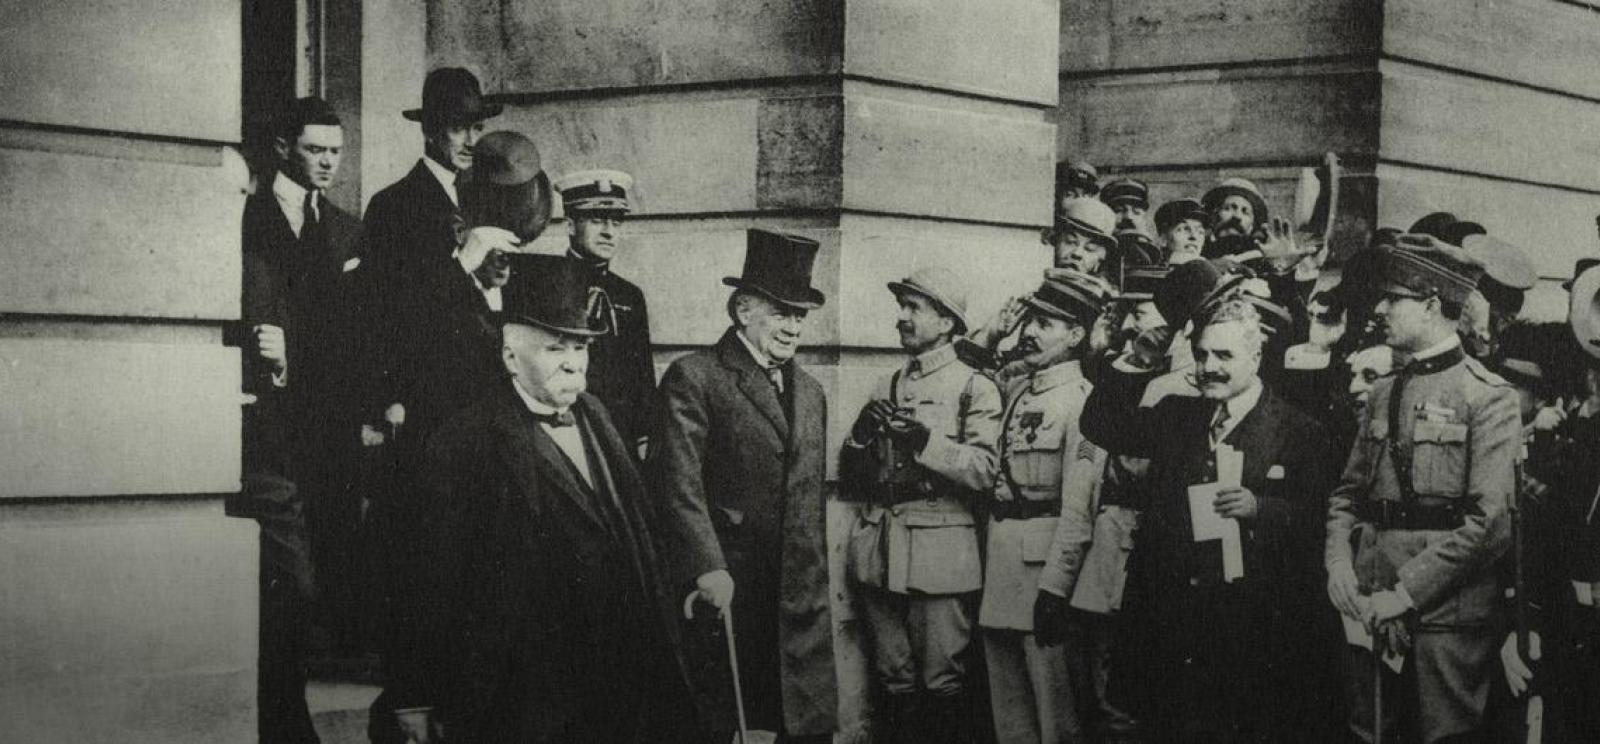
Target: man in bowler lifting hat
737, 461
560, 626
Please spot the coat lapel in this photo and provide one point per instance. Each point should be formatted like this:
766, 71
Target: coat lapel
753, 383
1257, 437
534, 453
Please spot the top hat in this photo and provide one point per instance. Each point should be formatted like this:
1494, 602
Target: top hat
1070, 295
778, 266
506, 186
451, 95
595, 191
1126, 190
1173, 212
941, 285
551, 292
1237, 187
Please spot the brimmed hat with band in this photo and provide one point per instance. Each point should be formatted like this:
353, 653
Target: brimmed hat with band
1237, 187
1088, 216
778, 267
940, 285
506, 186
1421, 265
450, 95
1070, 295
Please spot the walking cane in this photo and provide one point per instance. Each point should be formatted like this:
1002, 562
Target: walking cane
1377, 690
745, 736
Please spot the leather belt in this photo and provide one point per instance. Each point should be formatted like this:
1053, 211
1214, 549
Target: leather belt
1388, 514
1024, 509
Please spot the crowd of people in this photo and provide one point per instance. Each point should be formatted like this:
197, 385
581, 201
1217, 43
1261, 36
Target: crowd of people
1199, 484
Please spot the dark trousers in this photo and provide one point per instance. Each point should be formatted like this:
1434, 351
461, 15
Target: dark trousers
286, 589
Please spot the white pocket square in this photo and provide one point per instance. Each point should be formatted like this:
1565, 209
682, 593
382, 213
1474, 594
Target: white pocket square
352, 264
1275, 472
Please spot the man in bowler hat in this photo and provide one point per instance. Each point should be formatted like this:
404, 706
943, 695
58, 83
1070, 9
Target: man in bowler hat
737, 459
553, 607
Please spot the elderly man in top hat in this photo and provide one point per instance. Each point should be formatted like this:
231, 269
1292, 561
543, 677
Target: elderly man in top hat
449, 353
597, 203
737, 459
559, 623
299, 250
1042, 455
1181, 225
411, 224
1420, 515
919, 455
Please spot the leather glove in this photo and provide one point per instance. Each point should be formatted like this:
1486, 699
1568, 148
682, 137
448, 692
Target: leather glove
873, 416
1050, 618
909, 433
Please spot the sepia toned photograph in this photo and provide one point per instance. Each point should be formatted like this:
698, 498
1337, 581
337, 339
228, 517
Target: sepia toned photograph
800, 372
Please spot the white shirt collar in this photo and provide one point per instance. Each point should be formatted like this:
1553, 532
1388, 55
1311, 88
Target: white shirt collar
1450, 342
291, 198
534, 404
445, 176
762, 360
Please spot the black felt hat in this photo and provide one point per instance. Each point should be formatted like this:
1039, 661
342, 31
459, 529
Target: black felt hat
451, 95
551, 292
778, 266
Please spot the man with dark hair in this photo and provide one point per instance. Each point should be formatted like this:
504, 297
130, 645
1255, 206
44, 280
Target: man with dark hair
1236, 207
298, 251
1420, 515
919, 455
737, 458
623, 375
1181, 225
1129, 198
1222, 648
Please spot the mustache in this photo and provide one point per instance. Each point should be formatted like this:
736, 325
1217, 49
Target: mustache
1211, 377
1027, 346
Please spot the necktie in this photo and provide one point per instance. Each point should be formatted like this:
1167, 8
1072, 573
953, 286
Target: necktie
1220, 425
556, 420
775, 374
310, 227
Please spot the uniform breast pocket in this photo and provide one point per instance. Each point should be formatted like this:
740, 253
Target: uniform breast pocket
1439, 458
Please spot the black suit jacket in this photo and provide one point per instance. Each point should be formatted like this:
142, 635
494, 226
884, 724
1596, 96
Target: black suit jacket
1246, 659
542, 606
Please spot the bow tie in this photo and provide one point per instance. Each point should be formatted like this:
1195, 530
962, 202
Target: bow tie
555, 420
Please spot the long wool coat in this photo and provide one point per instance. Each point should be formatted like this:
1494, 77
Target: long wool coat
740, 484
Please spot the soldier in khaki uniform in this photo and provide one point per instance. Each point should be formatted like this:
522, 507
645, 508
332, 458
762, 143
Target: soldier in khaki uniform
1420, 515
919, 455
1043, 457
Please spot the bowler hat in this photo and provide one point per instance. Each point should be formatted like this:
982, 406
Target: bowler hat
1070, 295
596, 191
450, 95
941, 285
1173, 212
1237, 187
778, 266
551, 292
506, 186
1189, 285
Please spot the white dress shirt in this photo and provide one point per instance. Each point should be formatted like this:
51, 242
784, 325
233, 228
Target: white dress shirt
292, 200
568, 438
447, 178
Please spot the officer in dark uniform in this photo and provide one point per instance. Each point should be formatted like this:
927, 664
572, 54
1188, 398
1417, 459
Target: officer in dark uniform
1420, 514
622, 372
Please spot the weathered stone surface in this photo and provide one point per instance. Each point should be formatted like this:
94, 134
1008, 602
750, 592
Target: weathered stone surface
1201, 117
927, 154
94, 418
393, 65
1131, 34
801, 143
127, 622
997, 262
1442, 119
1555, 226
562, 46
1000, 48
99, 236
690, 156
1548, 44
143, 66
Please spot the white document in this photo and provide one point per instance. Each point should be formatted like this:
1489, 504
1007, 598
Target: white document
1207, 524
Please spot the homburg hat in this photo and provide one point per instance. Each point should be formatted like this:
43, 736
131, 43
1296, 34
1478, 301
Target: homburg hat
506, 186
1237, 187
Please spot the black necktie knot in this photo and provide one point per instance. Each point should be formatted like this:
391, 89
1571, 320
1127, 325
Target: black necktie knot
557, 419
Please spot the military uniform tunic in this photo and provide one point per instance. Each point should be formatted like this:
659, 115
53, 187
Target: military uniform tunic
1432, 523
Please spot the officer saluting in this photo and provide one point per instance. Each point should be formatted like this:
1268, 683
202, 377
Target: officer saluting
1420, 515
1043, 456
622, 373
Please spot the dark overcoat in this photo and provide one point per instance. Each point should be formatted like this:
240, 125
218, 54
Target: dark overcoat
622, 373
547, 605
739, 481
1206, 659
